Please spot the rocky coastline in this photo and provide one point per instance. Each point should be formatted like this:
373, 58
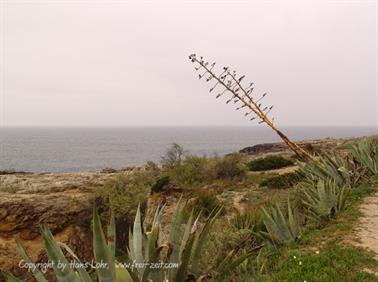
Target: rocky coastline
63, 201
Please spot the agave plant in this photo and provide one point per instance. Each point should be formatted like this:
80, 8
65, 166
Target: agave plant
145, 251
280, 228
339, 168
325, 199
366, 153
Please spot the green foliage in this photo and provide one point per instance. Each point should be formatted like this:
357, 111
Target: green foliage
333, 263
324, 199
282, 181
205, 202
191, 170
334, 167
184, 250
245, 220
103, 252
269, 162
366, 153
125, 191
281, 228
185, 247
173, 156
350, 168
194, 170
228, 166
227, 240
160, 184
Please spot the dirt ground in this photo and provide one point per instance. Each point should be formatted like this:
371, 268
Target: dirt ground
367, 230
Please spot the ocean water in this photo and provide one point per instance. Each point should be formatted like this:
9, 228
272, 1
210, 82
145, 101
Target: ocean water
89, 149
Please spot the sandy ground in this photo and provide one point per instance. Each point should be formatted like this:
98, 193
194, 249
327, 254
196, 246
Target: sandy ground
367, 230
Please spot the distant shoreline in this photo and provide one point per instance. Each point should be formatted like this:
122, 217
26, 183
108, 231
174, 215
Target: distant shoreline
256, 150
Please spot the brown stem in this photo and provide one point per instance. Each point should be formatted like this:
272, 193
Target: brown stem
299, 151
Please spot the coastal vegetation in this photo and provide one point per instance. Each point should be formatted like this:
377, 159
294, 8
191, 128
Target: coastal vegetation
269, 162
216, 220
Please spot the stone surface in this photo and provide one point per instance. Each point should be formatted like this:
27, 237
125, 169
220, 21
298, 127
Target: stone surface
63, 201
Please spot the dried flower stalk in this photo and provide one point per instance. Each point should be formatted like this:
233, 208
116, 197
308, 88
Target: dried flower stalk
228, 82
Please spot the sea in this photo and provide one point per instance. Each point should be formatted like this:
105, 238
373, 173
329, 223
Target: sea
64, 149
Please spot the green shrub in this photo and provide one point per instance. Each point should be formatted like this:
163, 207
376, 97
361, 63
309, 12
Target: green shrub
160, 184
191, 170
173, 156
125, 191
205, 201
228, 166
269, 162
281, 181
198, 169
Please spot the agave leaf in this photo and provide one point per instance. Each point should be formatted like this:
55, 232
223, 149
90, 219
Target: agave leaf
61, 267
295, 229
36, 272
133, 273
281, 229
138, 240
325, 199
175, 238
154, 250
83, 274
158, 215
130, 250
10, 278
102, 251
186, 235
122, 275
365, 153
202, 238
186, 255
112, 235
222, 265
283, 225
229, 266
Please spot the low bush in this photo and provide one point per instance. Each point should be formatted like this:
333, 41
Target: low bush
269, 162
160, 184
198, 169
205, 201
173, 156
282, 181
125, 191
191, 170
229, 166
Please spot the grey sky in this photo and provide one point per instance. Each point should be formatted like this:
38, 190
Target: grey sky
126, 63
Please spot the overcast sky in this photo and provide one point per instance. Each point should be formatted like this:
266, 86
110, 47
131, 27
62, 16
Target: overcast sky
78, 63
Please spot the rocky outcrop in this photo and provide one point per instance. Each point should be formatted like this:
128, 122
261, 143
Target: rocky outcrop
62, 201
308, 145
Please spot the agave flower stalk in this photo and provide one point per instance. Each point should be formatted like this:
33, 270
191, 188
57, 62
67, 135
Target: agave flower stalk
230, 83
